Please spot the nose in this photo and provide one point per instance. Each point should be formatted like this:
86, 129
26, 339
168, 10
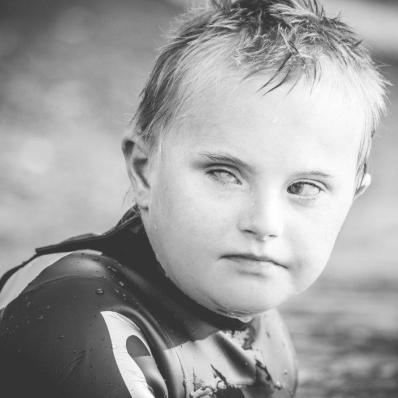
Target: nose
263, 217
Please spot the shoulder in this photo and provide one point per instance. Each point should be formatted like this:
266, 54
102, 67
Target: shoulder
81, 264
66, 333
52, 267
69, 290
67, 293
66, 298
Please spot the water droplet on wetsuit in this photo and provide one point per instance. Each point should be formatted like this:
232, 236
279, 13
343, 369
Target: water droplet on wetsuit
278, 385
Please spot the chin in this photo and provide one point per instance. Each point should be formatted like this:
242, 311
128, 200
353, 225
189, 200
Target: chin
250, 304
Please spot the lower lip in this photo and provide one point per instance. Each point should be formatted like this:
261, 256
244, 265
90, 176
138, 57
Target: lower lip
253, 267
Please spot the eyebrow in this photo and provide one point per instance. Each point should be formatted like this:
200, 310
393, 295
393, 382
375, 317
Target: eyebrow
315, 173
226, 158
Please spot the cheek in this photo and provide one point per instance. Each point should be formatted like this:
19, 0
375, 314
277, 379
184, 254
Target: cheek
185, 230
313, 242
183, 198
179, 216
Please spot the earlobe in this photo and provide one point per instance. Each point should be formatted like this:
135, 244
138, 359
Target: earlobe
364, 185
136, 154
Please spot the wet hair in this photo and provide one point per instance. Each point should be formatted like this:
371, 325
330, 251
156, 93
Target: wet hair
279, 40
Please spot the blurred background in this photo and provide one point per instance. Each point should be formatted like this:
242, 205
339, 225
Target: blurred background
71, 72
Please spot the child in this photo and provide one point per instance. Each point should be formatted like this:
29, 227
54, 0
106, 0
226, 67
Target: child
250, 145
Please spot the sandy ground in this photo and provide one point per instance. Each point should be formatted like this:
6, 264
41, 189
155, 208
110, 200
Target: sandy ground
70, 75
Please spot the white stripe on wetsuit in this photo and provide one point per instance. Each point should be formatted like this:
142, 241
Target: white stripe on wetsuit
120, 329
21, 279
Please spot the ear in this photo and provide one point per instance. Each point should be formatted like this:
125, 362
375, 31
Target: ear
365, 183
136, 154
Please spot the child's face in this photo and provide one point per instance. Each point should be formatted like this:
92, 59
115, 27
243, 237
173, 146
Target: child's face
246, 199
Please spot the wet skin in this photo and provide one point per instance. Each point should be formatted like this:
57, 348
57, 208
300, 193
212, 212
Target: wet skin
247, 194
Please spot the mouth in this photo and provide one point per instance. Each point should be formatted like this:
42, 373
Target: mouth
252, 263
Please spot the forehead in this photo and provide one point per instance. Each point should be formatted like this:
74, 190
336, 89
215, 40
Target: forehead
231, 112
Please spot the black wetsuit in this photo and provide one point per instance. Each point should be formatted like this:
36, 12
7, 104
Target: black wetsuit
108, 323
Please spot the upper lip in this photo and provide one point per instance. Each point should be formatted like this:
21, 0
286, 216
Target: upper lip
254, 257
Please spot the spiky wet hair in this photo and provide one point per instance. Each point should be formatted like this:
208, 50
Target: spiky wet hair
284, 39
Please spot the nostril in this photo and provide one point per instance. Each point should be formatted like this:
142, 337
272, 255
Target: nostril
264, 224
262, 236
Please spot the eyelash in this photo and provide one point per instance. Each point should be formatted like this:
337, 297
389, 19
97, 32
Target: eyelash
308, 183
215, 174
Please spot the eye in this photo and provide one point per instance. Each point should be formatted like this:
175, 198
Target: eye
305, 189
224, 176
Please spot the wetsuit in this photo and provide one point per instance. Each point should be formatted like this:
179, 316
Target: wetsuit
108, 323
